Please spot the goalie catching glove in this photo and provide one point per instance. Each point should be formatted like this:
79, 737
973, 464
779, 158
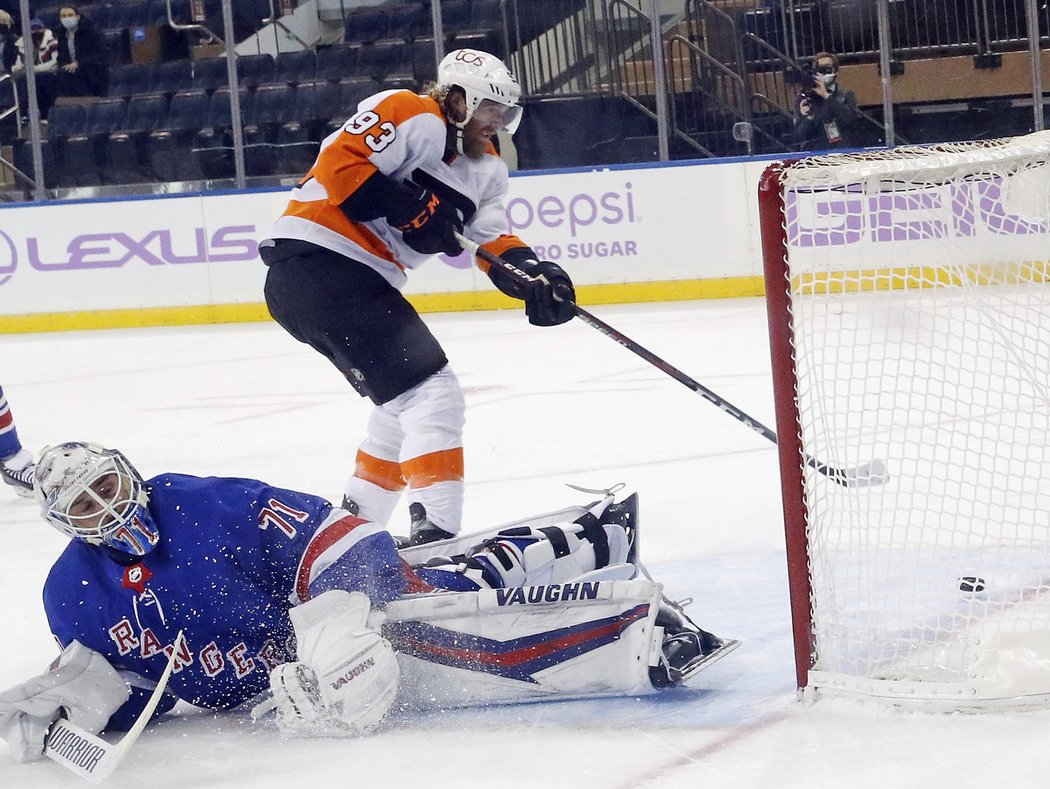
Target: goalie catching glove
346, 677
549, 296
80, 686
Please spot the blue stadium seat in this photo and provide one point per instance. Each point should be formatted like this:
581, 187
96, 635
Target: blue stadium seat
254, 70
171, 76
85, 155
213, 145
316, 103
409, 21
383, 60
424, 60
170, 145
455, 16
210, 74
295, 67
128, 79
127, 149
336, 62
365, 24
272, 107
63, 122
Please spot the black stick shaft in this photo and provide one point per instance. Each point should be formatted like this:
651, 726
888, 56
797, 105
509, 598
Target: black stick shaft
596, 323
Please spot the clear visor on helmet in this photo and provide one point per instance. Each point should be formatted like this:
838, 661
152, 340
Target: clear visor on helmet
100, 505
492, 114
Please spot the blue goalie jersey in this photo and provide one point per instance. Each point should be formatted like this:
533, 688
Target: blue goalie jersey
234, 556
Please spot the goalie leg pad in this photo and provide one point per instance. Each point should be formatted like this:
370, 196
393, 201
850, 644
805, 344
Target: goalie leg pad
527, 556
346, 677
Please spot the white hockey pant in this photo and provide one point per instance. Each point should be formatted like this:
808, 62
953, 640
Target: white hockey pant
416, 439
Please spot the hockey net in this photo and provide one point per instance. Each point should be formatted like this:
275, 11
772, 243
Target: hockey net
908, 295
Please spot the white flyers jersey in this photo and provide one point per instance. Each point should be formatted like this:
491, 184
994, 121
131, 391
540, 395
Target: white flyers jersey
402, 135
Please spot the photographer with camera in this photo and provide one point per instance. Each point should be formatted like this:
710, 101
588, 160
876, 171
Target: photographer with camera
825, 112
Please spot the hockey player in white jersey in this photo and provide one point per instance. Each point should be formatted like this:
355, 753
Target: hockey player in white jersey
388, 191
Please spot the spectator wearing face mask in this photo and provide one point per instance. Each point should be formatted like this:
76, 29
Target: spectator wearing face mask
83, 58
825, 112
42, 52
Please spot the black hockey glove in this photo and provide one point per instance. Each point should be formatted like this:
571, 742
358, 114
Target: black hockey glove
551, 299
426, 222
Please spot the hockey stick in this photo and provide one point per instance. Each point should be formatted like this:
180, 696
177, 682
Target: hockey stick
88, 755
871, 473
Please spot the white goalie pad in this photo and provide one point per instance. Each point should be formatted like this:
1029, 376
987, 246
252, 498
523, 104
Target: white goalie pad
580, 639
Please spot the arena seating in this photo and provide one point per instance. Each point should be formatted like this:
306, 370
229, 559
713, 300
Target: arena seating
212, 144
171, 143
387, 59
272, 106
128, 79
409, 21
295, 67
126, 154
86, 153
171, 76
169, 120
366, 24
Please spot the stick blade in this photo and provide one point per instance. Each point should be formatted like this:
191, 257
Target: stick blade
80, 751
863, 476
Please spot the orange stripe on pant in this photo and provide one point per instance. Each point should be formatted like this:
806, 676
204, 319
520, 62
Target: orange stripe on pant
443, 466
385, 474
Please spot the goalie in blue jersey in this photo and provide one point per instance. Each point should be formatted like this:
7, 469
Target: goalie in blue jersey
284, 598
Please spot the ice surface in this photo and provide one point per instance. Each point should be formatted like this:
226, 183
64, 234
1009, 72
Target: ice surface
545, 407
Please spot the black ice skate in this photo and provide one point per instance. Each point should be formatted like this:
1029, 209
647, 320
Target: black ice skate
421, 530
625, 514
686, 648
17, 471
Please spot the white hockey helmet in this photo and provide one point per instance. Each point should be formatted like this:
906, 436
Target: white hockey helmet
481, 76
94, 494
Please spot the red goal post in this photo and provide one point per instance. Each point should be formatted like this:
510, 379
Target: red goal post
908, 299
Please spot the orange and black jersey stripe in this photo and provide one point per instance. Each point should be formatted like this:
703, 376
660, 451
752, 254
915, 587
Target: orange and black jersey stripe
403, 136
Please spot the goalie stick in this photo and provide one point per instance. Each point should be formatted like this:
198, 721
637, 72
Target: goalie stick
88, 755
871, 473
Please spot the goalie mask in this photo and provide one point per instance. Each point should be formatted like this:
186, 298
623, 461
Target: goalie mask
487, 84
94, 494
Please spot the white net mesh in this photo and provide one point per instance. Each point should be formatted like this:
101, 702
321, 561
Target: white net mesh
920, 305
